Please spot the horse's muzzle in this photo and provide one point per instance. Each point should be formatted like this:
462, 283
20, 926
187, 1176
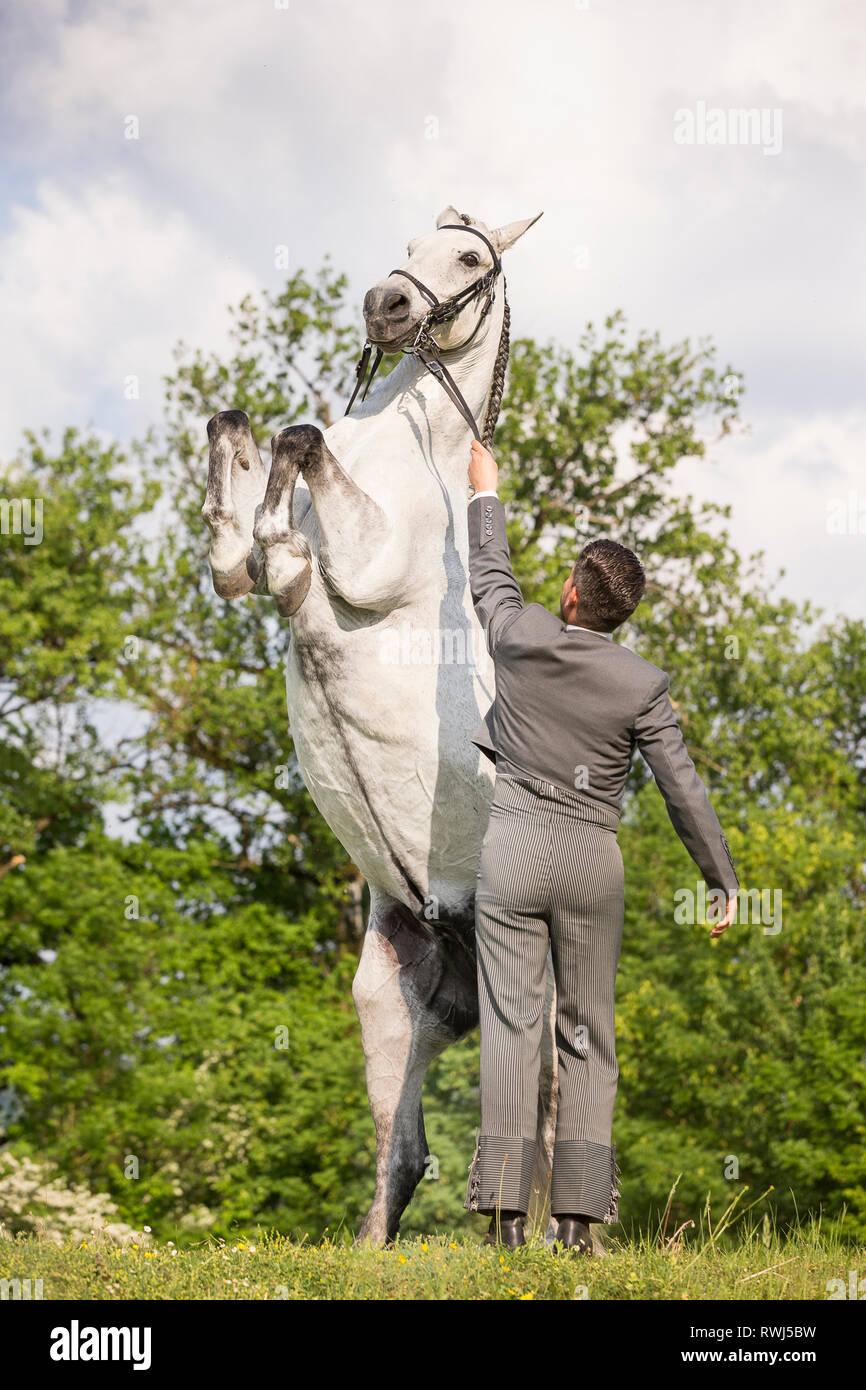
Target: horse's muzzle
389, 315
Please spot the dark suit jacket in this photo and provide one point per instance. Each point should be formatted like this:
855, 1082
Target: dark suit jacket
572, 706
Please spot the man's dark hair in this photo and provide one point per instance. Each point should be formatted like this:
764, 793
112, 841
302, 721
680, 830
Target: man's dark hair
610, 583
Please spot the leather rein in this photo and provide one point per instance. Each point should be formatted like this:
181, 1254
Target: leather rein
424, 346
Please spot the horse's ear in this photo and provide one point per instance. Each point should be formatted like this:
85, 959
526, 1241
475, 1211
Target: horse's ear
448, 215
416, 241
503, 237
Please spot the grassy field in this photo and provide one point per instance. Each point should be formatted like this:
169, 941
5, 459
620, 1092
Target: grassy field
755, 1265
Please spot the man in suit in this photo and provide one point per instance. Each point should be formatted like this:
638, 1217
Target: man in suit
571, 706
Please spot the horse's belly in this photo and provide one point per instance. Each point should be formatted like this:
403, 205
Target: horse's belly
385, 751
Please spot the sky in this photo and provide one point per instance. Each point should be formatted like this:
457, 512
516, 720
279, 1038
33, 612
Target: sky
339, 127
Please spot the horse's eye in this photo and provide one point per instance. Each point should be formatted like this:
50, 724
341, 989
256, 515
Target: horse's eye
469, 258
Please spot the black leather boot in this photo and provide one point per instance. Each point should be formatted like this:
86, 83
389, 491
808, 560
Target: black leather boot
506, 1228
573, 1234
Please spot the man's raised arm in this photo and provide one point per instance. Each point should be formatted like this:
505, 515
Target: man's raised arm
495, 592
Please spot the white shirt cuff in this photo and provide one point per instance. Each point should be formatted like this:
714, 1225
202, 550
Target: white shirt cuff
489, 492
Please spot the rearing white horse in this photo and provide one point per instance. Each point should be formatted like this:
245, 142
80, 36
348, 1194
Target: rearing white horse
388, 673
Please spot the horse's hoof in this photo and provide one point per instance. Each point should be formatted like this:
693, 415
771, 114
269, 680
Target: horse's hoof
236, 582
290, 600
233, 419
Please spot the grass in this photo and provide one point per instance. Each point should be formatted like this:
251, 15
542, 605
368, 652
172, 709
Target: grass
753, 1263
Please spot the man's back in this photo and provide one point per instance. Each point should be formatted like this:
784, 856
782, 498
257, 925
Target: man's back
571, 705
567, 704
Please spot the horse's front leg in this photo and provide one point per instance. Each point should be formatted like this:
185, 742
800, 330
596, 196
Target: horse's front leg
279, 560
362, 556
235, 486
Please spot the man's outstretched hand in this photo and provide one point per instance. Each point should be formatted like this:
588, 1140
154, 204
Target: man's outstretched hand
725, 922
483, 469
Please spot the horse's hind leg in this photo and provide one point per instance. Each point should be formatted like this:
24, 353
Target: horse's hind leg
415, 993
236, 483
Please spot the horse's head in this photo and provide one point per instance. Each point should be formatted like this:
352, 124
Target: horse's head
446, 263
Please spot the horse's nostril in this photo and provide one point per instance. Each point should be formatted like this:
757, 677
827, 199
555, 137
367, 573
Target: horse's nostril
395, 302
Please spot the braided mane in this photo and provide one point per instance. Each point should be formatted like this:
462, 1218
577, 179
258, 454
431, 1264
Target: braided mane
497, 384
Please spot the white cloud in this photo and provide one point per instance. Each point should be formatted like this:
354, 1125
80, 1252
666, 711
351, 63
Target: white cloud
96, 289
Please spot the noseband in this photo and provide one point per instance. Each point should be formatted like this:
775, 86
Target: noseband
424, 346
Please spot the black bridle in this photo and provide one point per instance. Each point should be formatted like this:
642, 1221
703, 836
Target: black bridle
424, 345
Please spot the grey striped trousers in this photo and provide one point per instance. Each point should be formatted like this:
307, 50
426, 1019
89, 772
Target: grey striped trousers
551, 873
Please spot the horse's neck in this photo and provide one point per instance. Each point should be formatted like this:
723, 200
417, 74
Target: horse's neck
411, 391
